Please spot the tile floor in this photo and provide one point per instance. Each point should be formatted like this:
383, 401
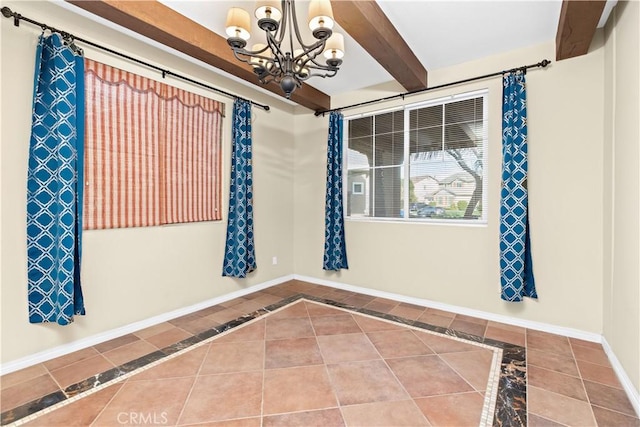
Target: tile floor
310, 364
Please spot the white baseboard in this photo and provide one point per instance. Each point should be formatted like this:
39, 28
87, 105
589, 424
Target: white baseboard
64, 349
629, 388
538, 326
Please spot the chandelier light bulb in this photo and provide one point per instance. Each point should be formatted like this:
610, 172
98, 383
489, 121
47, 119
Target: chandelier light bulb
320, 18
268, 14
238, 27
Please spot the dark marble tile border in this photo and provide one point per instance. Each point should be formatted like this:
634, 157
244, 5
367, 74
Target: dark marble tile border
511, 403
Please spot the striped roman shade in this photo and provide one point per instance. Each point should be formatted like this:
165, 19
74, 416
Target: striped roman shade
153, 152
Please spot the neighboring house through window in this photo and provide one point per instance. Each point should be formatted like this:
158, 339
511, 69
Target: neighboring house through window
421, 161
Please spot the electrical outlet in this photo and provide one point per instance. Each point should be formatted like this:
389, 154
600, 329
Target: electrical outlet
274, 260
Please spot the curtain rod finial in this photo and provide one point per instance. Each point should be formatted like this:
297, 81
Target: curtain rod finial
544, 63
6, 12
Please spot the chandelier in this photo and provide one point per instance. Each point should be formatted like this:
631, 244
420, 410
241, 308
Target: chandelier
283, 59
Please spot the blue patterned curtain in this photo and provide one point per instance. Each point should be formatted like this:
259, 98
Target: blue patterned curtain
516, 267
335, 250
239, 256
54, 184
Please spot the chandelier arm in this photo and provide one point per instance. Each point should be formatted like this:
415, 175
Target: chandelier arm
237, 52
329, 74
295, 26
282, 29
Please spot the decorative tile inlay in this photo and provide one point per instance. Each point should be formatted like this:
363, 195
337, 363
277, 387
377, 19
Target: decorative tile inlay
504, 397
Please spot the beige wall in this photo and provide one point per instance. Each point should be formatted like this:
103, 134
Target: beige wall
621, 299
459, 264
133, 274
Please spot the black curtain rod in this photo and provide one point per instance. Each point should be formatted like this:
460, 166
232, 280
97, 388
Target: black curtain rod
8, 13
523, 68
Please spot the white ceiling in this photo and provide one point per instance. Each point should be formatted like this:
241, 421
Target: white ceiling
441, 33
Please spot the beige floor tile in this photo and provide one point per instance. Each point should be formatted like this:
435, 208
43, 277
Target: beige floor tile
81, 370
435, 319
583, 343
441, 344
129, 352
346, 348
185, 365
442, 313
592, 355
69, 359
226, 315
199, 324
559, 408
385, 414
158, 402
424, 376
505, 335
298, 309
472, 366
609, 398
552, 361
359, 300
238, 422
365, 382
307, 388
381, 305
463, 409
294, 327
292, 352
115, 343
79, 413
168, 337
332, 325
17, 377
398, 343
549, 343
556, 382
507, 327
227, 357
26, 391
325, 418
468, 327
605, 418
316, 310
538, 421
251, 332
407, 312
598, 373
368, 324
154, 330
472, 319
223, 397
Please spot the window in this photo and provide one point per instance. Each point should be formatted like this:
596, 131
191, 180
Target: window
357, 188
422, 162
152, 152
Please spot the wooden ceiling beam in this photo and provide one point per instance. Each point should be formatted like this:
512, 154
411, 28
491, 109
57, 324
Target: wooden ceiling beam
577, 26
365, 21
164, 25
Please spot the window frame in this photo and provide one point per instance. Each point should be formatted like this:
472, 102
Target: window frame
407, 108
